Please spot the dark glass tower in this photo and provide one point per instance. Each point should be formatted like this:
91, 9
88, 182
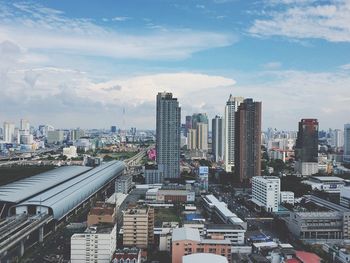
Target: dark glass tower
168, 134
248, 140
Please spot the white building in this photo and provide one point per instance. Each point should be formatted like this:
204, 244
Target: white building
266, 192
96, 244
330, 184
70, 152
9, 132
234, 233
345, 197
123, 184
347, 143
287, 197
229, 134
55, 136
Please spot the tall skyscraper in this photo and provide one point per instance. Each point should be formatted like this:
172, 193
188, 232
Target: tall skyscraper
337, 138
347, 143
168, 134
202, 136
217, 138
248, 140
9, 132
188, 124
25, 126
229, 143
192, 139
307, 141
306, 147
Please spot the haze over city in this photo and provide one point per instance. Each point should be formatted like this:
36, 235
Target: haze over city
81, 63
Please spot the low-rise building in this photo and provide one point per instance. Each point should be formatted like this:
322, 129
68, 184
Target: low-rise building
266, 192
101, 213
218, 211
130, 255
320, 226
123, 184
186, 241
287, 197
329, 184
70, 152
164, 235
96, 244
345, 196
234, 233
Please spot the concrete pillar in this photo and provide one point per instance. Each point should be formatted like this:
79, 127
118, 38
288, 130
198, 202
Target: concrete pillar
21, 244
41, 234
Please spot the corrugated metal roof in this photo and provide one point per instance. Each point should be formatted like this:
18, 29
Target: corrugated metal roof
23, 189
66, 196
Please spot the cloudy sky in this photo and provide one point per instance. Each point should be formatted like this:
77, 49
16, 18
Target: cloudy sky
80, 63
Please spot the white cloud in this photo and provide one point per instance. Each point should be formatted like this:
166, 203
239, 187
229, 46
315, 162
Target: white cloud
37, 28
272, 65
345, 67
301, 19
121, 18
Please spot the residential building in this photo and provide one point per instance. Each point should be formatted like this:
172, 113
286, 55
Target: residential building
154, 174
266, 192
202, 136
164, 235
187, 241
123, 184
248, 140
102, 213
96, 244
347, 143
218, 139
9, 132
138, 224
306, 148
192, 139
168, 134
229, 133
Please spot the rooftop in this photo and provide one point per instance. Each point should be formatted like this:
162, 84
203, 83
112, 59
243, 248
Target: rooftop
204, 258
184, 233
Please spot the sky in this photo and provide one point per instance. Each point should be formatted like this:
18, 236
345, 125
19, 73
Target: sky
83, 63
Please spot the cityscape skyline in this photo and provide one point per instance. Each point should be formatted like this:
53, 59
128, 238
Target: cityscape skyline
197, 50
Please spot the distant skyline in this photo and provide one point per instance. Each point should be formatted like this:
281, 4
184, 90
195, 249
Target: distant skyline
80, 63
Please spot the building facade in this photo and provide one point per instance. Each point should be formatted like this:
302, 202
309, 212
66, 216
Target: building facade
266, 192
248, 140
306, 148
229, 134
154, 174
192, 139
123, 184
96, 245
187, 241
9, 132
218, 138
347, 143
168, 134
138, 224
